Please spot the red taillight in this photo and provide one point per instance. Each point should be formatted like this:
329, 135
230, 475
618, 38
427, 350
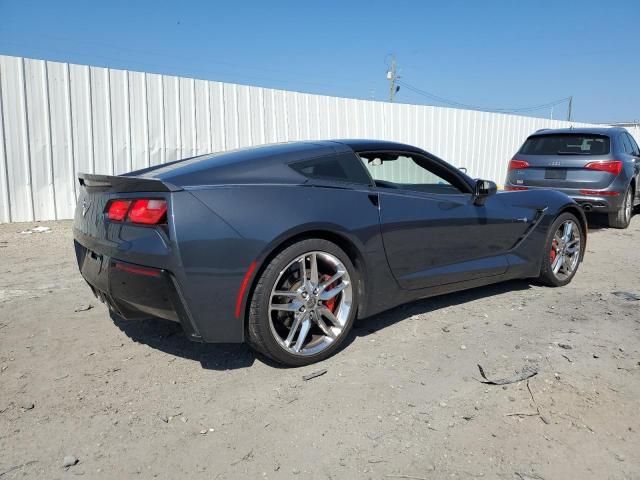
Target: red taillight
137, 270
599, 193
148, 212
117, 210
513, 188
516, 164
613, 166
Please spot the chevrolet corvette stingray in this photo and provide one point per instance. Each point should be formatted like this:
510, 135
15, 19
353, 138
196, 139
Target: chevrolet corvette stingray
284, 246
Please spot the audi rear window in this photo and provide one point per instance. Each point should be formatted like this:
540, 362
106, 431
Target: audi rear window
566, 144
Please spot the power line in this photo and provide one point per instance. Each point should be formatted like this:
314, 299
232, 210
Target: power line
454, 103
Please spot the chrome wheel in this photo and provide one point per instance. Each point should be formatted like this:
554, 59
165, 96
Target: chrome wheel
310, 303
565, 250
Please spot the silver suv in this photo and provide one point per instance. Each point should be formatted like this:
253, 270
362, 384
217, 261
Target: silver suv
598, 167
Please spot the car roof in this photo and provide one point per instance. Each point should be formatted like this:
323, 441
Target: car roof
582, 130
363, 145
259, 164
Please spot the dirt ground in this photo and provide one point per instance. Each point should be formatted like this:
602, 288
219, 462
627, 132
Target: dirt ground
402, 400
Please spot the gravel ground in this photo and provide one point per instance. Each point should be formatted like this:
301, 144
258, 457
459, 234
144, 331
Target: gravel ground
402, 400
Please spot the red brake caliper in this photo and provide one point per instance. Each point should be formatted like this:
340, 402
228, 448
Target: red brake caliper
554, 250
330, 304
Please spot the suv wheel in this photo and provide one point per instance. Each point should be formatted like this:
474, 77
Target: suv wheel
622, 217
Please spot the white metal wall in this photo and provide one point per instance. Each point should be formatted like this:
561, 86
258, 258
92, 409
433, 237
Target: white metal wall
58, 119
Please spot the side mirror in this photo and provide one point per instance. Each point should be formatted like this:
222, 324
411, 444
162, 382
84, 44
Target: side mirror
484, 189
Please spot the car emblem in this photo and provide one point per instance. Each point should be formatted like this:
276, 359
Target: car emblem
85, 207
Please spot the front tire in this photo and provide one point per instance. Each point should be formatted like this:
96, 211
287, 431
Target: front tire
622, 217
304, 303
562, 252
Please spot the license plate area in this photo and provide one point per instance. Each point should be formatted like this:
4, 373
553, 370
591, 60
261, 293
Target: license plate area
95, 269
555, 174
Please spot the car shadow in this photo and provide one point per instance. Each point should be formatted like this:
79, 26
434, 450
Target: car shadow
168, 336
597, 222
371, 325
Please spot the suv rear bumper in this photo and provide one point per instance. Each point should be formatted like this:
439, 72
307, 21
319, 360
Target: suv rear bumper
134, 291
590, 203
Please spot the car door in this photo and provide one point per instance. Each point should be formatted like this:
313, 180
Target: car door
432, 230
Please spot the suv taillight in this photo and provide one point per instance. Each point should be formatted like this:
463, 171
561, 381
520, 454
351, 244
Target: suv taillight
516, 164
613, 166
145, 211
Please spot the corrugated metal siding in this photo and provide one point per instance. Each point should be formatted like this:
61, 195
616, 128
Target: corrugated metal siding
59, 119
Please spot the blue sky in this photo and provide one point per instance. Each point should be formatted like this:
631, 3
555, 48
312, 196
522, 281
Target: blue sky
498, 54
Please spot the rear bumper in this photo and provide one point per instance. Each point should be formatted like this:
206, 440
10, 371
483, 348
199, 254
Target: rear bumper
133, 291
590, 203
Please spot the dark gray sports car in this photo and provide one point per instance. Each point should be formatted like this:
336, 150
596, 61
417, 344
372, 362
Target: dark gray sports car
283, 246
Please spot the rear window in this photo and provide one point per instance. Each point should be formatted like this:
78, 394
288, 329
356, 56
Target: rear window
345, 167
573, 144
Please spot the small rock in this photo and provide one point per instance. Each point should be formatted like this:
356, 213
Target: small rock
566, 346
508, 324
621, 348
620, 457
28, 406
443, 404
512, 399
83, 308
69, 461
295, 471
557, 375
445, 329
463, 347
595, 355
203, 432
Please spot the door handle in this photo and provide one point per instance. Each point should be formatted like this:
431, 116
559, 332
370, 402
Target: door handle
522, 220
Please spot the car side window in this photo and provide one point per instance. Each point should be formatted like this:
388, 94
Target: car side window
409, 171
634, 146
343, 167
626, 144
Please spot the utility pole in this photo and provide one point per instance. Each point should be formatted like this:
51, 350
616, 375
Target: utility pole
569, 109
392, 76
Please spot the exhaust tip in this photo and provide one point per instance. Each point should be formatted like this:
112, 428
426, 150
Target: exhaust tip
587, 207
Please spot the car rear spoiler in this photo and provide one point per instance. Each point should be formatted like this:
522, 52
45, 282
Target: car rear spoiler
121, 184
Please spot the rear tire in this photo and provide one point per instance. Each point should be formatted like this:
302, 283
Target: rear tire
294, 299
562, 252
622, 217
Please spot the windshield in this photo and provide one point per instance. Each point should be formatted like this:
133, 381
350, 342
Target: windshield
572, 144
